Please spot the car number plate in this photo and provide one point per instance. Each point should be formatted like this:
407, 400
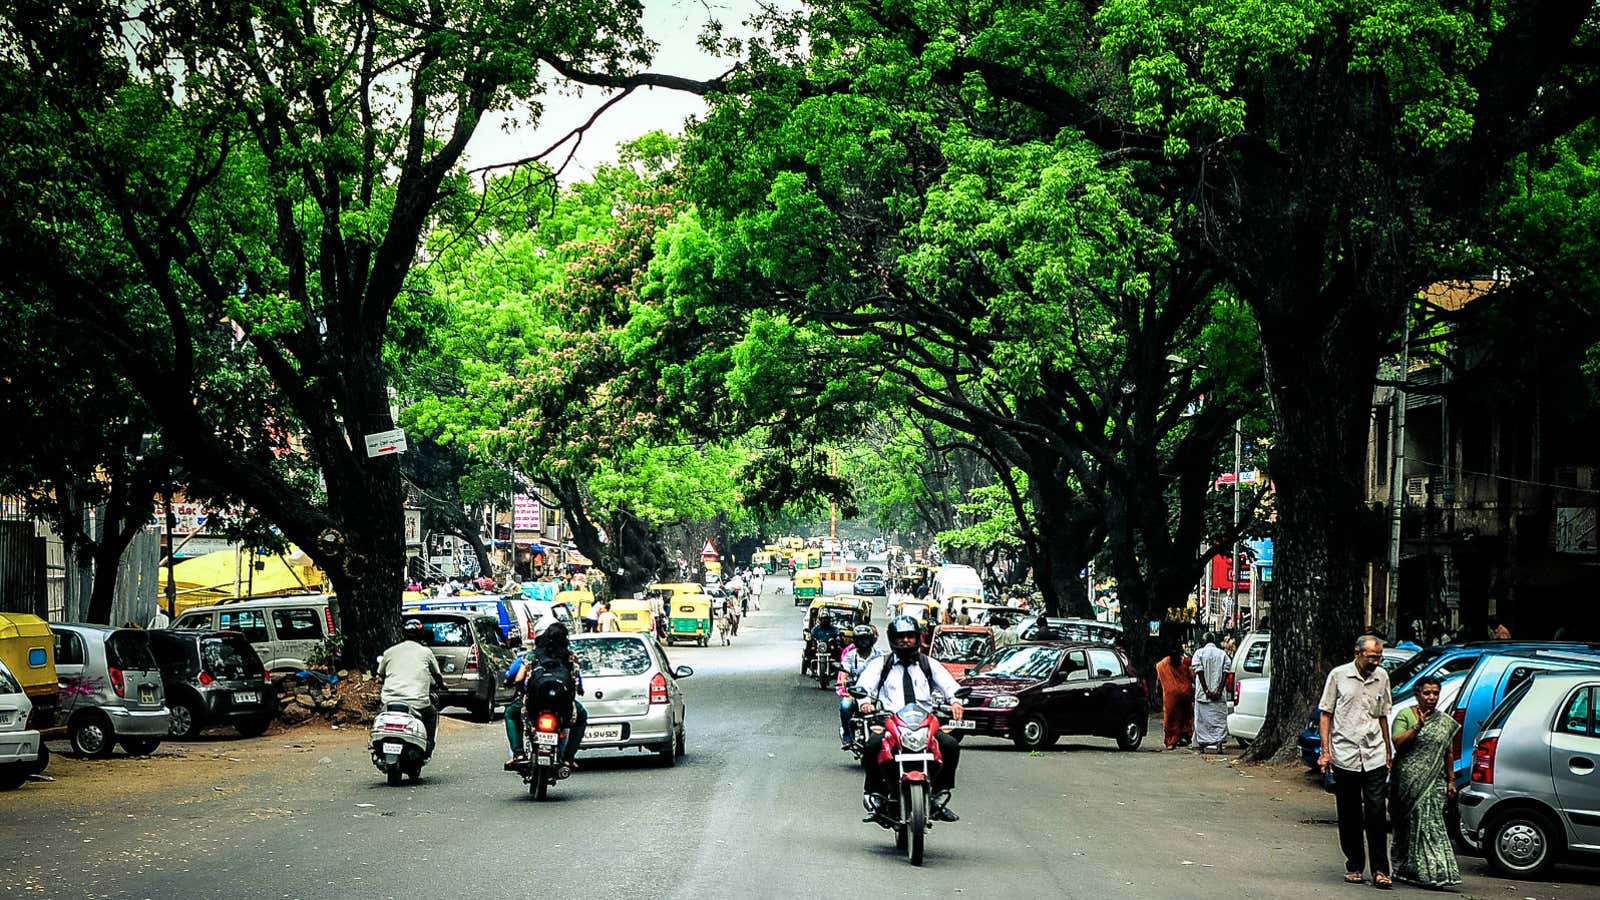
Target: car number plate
5, 718
959, 725
603, 733
546, 738
247, 697
147, 694
914, 757
392, 749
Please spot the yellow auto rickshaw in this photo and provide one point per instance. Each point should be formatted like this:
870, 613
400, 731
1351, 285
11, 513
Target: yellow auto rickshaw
580, 602
847, 611
29, 651
689, 619
807, 587
633, 616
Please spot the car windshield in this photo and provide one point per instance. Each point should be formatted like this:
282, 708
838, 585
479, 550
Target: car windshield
446, 633
612, 656
229, 657
1022, 663
1408, 669
959, 646
8, 685
129, 650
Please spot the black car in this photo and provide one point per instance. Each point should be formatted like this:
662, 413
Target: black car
1035, 693
213, 678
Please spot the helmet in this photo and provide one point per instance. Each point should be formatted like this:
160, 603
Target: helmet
413, 630
823, 618
865, 637
905, 638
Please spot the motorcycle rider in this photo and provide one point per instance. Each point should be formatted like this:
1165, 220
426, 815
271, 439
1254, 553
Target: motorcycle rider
823, 631
863, 650
895, 680
410, 672
552, 654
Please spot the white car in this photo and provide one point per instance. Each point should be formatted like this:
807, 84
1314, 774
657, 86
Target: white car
19, 745
631, 693
1250, 696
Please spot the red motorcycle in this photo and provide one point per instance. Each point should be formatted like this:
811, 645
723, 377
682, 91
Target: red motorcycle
909, 759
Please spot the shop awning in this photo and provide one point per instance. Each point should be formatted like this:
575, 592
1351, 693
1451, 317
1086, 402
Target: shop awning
206, 579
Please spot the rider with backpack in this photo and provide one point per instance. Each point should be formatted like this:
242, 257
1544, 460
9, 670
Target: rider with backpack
549, 681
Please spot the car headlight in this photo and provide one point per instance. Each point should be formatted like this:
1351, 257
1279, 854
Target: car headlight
915, 741
1006, 702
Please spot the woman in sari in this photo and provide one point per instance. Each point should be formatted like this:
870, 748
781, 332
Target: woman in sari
1423, 781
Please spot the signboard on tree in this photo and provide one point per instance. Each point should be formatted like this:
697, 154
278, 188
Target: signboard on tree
525, 512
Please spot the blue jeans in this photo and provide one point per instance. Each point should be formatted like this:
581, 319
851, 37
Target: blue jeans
847, 711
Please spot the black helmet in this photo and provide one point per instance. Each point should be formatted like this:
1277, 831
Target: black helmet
823, 618
901, 626
864, 637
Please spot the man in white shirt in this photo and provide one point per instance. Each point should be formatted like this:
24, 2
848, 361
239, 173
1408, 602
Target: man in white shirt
892, 682
1210, 666
1354, 722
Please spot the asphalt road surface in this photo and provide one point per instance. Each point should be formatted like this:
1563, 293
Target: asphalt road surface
763, 805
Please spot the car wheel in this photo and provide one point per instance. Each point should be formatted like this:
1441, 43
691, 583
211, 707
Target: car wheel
186, 719
249, 728
140, 746
668, 752
1523, 843
1131, 735
1032, 733
13, 776
91, 736
38, 765
482, 709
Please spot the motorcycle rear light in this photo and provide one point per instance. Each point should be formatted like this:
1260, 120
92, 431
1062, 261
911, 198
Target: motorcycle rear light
547, 723
117, 683
327, 618
205, 679
1483, 760
394, 726
658, 689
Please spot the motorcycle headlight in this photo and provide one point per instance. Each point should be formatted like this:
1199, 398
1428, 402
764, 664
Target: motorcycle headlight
1006, 702
915, 741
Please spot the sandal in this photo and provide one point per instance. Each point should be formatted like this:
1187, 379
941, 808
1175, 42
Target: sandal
1354, 878
1382, 881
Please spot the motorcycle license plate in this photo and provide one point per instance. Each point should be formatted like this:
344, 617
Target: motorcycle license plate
546, 738
959, 725
246, 697
914, 757
603, 733
392, 749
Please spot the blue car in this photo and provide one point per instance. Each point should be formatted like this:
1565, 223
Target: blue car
1438, 661
1493, 678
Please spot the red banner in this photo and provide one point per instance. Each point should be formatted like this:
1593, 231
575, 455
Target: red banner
1222, 573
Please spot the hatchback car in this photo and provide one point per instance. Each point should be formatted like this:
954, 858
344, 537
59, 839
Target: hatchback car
1492, 679
1035, 693
213, 678
1532, 799
111, 689
474, 657
20, 746
1067, 629
631, 692
869, 584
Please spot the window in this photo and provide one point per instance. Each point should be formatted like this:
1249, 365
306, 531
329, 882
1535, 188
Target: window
612, 656
8, 685
1578, 716
446, 633
1076, 668
1102, 662
961, 646
129, 650
1518, 676
197, 621
248, 622
488, 632
297, 624
228, 657
176, 654
69, 649
1255, 657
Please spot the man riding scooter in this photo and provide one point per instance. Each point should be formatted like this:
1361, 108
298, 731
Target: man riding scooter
410, 672
895, 680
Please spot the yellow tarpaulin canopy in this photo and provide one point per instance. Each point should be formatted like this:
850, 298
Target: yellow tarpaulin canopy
207, 579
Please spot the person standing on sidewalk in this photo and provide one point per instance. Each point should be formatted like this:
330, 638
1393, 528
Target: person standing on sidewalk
1210, 666
1423, 785
1354, 722
1177, 697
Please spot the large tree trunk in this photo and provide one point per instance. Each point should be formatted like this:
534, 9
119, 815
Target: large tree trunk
365, 565
1068, 535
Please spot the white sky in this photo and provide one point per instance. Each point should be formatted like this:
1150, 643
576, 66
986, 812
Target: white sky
673, 25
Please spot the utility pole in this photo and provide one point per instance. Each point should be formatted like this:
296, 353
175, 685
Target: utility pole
1397, 471
172, 551
1233, 566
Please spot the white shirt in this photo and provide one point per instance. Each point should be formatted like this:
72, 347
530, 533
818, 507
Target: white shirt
1214, 664
408, 670
892, 697
854, 664
1360, 708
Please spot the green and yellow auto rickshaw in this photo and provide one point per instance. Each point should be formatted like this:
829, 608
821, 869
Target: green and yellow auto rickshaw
689, 619
807, 587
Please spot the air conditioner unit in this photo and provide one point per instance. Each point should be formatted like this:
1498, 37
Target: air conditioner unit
1417, 489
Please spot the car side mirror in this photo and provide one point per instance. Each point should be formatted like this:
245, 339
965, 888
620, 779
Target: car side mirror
963, 693
682, 672
858, 692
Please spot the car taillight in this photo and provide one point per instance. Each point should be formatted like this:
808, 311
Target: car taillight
658, 689
547, 723
1483, 760
472, 658
1460, 715
327, 617
205, 678
532, 630
1238, 691
266, 675
117, 683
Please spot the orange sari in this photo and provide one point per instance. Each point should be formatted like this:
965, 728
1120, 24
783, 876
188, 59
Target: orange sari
1177, 699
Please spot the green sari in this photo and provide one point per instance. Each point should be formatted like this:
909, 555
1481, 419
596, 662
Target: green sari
1422, 850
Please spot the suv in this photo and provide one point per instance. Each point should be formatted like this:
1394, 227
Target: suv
474, 657
283, 630
213, 678
111, 689
1532, 798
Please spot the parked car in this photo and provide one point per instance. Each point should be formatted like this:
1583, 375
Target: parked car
1253, 658
961, 647
1492, 679
213, 678
1532, 798
21, 748
283, 630
1035, 693
111, 690
1249, 700
631, 693
474, 657
1069, 629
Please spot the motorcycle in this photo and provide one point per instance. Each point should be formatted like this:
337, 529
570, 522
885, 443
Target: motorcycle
399, 742
909, 759
542, 741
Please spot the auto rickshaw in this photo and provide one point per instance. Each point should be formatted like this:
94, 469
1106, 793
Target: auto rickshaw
807, 587
633, 616
29, 650
809, 558
580, 602
847, 610
689, 619
913, 576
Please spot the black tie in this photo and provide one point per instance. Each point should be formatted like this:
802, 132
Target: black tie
910, 686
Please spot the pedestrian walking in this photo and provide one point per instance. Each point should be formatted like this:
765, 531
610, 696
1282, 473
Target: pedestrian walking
1354, 721
1210, 667
606, 619
1177, 697
1424, 782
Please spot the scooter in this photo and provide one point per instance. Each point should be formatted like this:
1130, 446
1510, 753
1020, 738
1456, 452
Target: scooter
399, 741
541, 747
909, 759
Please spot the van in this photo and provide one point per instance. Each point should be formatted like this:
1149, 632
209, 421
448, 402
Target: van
951, 580
283, 630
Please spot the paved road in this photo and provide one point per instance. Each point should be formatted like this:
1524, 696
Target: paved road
764, 805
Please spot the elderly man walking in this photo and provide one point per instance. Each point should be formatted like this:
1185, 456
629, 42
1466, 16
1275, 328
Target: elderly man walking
1210, 667
1354, 722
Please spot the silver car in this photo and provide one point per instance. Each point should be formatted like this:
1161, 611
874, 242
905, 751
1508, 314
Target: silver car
1534, 794
631, 692
110, 689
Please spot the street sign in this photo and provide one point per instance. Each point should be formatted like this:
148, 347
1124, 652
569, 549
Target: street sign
525, 513
708, 551
385, 443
